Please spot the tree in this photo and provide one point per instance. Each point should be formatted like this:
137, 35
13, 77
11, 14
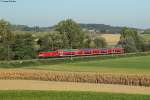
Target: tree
131, 40
94, 41
100, 42
87, 42
5, 52
24, 47
51, 42
6, 39
147, 31
148, 45
5, 32
128, 44
36, 29
72, 33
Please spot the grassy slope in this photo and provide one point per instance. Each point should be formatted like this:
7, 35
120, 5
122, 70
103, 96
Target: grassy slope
146, 37
53, 95
121, 65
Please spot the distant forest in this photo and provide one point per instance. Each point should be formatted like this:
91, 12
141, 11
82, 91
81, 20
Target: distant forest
97, 28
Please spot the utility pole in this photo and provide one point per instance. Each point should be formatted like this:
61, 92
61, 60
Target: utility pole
8, 54
52, 45
71, 51
64, 35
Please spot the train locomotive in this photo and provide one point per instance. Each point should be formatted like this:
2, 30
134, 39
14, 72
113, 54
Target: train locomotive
81, 52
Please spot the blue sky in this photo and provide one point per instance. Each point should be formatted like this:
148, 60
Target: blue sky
133, 13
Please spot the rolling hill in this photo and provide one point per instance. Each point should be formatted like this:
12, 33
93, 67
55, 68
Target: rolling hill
98, 28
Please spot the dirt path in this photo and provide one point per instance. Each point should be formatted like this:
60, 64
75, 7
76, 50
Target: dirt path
68, 86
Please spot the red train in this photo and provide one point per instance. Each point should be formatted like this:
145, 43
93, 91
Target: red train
81, 52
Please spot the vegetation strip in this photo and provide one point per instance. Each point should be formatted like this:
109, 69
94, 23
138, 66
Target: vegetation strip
61, 95
84, 77
52, 61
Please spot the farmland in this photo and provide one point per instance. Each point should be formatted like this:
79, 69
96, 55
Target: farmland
111, 39
55, 95
132, 65
74, 50
70, 86
124, 71
132, 71
79, 77
146, 36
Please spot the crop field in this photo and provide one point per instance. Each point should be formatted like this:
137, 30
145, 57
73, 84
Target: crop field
71, 86
131, 65
56, 95
78, 77
133, 73
146, 37
111, 39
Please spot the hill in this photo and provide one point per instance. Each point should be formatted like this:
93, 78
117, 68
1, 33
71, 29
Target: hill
102, 28
98, 28
30, 29
147, 31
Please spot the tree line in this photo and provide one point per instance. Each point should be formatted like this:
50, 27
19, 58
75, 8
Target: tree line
67, 34
132, 41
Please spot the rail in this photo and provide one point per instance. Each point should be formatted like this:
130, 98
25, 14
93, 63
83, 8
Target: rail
73, 57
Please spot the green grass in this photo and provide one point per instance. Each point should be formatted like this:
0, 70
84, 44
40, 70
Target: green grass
120, 65
146, 37
54, 95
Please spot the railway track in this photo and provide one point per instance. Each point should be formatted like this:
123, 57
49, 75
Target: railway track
69, 58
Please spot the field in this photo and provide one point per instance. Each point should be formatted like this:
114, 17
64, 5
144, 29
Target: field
147, 37
131, 65
111, 39
133, 71
53, 95
71, 86
79, 76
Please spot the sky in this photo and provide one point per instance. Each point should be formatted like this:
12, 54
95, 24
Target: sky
131, 13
